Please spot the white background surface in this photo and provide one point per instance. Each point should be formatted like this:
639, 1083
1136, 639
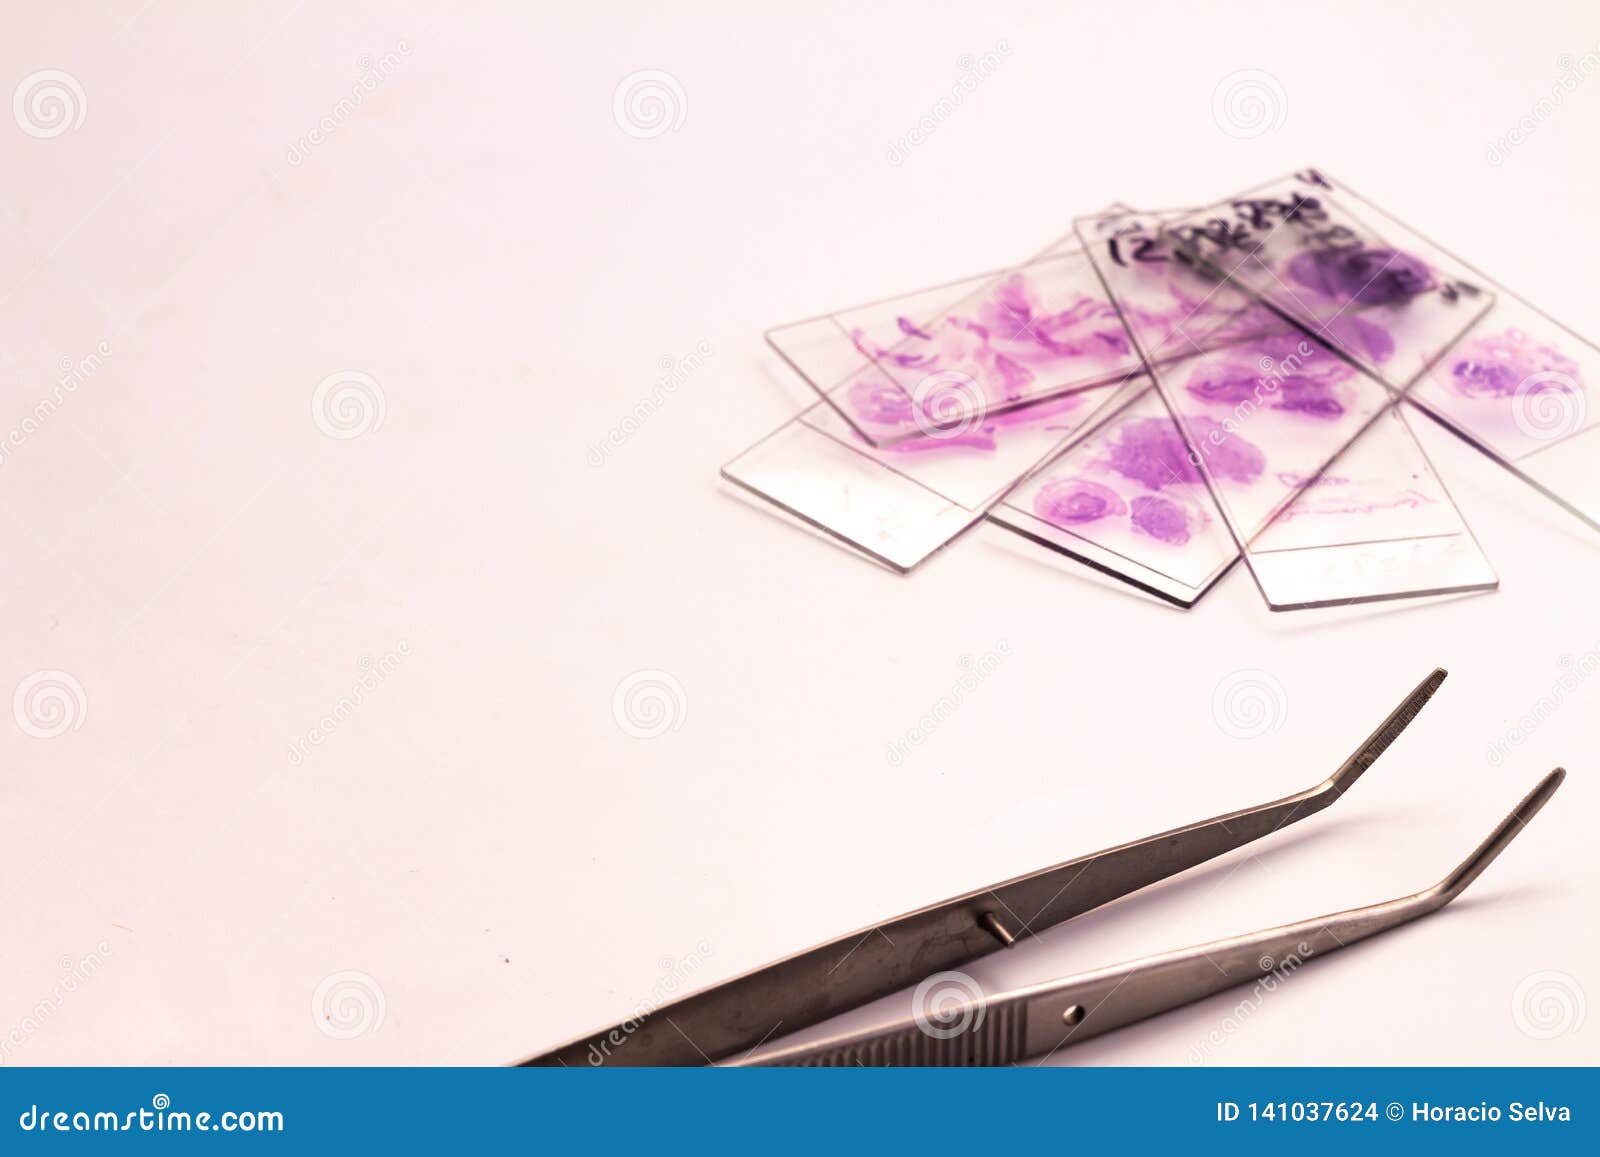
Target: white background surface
505, 865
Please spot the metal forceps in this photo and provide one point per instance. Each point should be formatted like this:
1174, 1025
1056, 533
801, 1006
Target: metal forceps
728, 1023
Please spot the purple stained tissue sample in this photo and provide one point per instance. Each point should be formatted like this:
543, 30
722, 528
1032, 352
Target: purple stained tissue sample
1013, 377
1227, 383
1311, 396
912, 329
880, 403
1365, 339
1001, 351
1303, 393
1010, 310
1015, 314
1494, 366
1477, 377
1151, 452
1227, 454
1291, 372
1161, 518
1071, 501
1369, 275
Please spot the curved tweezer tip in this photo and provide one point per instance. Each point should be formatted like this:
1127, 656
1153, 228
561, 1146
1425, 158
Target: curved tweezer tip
1104, 999
1378, 742
1455, 883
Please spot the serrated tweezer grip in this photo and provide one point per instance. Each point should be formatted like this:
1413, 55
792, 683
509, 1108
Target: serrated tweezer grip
730, 1019
1043, 1018
999, 1036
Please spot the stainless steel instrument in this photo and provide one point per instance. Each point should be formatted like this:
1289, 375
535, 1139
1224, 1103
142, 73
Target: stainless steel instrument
730, 1022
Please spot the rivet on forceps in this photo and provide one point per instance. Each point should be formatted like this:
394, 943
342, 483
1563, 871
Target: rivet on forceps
1001, 933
